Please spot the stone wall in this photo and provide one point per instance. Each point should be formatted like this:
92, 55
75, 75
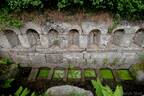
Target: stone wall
88, 45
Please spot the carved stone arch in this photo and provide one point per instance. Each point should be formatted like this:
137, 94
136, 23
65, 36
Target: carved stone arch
139, 38
118, 37
33, 37
94, 38
53, 38
73, 38
12, 38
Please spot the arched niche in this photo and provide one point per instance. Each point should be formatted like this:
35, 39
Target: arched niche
118, 37
33, 37
12, 38
53, 37
94, 38
73, 38
139, 38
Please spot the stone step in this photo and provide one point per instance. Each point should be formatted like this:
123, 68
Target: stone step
33, 74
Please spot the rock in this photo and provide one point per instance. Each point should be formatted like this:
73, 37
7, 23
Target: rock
67, 90
140, 76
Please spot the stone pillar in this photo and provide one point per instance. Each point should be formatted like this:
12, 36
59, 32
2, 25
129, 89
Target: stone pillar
44, 40
104, 40
83, 41
24, 40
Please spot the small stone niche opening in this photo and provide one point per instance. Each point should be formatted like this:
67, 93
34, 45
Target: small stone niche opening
139, 38
53, 37
12, 38
33, 37
73, 38
118, 37
94, 38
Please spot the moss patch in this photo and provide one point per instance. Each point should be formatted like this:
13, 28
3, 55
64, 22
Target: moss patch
43, 73
58, 74
89, 73
106, 74
74, 74
124, 75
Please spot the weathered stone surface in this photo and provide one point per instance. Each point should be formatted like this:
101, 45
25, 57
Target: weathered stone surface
87, 44
140, 76
67, 90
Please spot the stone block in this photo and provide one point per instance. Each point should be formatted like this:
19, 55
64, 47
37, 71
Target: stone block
54, 59
37, 59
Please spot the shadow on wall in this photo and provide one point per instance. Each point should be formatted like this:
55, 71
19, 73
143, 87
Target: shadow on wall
139, 38
73, 38
53, 38
12, 38
118, 37
94, 38
33, 37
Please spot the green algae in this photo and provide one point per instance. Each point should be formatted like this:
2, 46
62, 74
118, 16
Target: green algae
106, 74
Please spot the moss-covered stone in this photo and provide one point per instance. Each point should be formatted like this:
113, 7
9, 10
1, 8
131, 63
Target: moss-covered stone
106, 74
72, 74
58, 74
43, 73
89, 73
124, 75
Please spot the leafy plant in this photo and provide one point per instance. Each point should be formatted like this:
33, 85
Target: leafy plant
24, 92
58, 74
115, 61
43, 73
106, 74
7, 83
124, 75
6, 61
22, 4
7, 21
89, 73
105, 61
106, 90
65, 3
18, 92
74, 74
115, 22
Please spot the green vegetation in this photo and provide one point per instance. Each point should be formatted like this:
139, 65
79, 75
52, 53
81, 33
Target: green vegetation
8, 21
124, 75
23, 4
58, 74
4, 65
106, 90
89, 73
24, 92
43, 73
106, 74
6, 61
72, 74
7, 83
127, 9
124, 8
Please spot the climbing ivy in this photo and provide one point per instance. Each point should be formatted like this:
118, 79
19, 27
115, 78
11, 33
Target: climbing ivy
23, 4
128, 9
7, 21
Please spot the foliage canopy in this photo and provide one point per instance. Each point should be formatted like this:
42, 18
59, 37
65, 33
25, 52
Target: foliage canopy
127, 9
